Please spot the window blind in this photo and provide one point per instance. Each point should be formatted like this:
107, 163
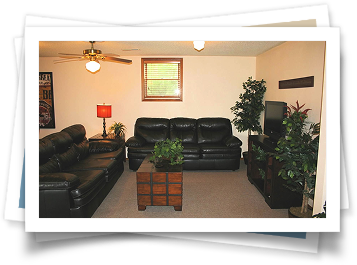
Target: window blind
162, 79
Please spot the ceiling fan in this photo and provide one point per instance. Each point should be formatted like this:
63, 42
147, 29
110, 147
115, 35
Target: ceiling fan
94, 56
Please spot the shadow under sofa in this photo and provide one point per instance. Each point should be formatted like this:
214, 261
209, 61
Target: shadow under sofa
75, 175
208, 142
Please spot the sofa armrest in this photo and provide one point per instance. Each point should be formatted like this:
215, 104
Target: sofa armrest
103, 146
232, 141
58, 181
135, 141
55, 200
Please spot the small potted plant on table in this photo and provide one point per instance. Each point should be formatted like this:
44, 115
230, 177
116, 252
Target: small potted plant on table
167, 153
118, 128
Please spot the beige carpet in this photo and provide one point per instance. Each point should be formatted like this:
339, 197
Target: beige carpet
206, 194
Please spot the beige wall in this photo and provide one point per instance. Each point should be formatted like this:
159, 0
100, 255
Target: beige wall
294, 60
211, 85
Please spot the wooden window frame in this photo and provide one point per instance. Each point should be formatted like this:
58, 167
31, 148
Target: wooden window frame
161, 98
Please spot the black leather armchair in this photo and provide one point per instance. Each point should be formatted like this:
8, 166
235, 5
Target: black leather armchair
75, 175
208, 142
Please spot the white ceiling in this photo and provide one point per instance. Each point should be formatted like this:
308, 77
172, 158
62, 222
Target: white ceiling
159, 48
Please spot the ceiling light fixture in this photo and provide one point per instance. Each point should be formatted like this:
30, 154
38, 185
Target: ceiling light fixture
93, 66
199, 45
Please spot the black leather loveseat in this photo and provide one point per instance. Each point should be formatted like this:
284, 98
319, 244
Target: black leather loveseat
208, 142
75, 175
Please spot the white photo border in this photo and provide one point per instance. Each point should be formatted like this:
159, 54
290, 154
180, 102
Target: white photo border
332, 93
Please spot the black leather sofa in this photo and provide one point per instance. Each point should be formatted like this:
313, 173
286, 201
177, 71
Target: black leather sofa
75, 175
208, 142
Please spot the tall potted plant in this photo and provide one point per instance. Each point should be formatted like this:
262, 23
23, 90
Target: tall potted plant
248, 109
298, 151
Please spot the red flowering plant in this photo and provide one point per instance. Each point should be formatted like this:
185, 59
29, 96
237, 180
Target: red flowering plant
295, 120
298, 151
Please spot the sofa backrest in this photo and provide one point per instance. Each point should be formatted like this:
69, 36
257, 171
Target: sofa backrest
202, 130
78, 135
152, 129
213, 130
77, 132
46, 150
61, 141
49, 147
184, 129
62, 145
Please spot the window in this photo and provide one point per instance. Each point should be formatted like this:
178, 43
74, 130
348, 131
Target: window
161, 79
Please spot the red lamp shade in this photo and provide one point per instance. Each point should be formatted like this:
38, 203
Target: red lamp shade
104, 111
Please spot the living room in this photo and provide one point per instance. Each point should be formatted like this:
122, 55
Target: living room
204, 79
212, 82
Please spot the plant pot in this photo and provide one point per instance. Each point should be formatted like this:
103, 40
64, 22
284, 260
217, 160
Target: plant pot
159, 164
295, 212
162, 163
245, 157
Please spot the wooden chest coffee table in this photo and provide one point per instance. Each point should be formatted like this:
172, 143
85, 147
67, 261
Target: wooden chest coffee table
159, 186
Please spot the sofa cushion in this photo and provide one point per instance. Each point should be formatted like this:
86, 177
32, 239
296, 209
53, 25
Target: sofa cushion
61, 141
82, 149
152, 129
77, 132
191, 156
232, 141
190, 149
103, 146
107, 165
51, 166
184, 129
92, 182
213, 130
220, 156
68, 158
135, 141
140, 156
146, 149
46, 150
218, 148
89, 179
117, 155
58, 181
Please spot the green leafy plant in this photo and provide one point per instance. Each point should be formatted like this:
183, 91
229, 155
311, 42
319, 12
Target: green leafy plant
169, 151
261, 156
118, 128
247, 111
299, 153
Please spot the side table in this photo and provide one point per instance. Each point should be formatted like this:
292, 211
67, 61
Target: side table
110, 137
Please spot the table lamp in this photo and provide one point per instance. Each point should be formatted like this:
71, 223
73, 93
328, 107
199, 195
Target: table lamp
104, 111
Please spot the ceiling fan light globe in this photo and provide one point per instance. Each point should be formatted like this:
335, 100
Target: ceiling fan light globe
92, 66
198, 45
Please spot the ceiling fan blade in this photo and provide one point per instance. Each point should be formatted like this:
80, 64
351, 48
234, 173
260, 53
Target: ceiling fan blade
69, 60
72, 57
70, 54
119, 60
110, 54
